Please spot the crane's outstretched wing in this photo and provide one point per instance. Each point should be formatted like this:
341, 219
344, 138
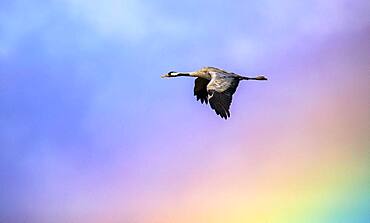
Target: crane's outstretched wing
220, 91
200, 90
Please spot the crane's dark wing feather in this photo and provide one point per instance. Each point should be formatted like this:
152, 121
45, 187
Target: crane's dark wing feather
200, 90
220, 91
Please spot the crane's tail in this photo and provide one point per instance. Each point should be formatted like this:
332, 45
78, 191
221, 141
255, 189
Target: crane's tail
258, 78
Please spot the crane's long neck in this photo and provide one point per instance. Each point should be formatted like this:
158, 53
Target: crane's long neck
184, 74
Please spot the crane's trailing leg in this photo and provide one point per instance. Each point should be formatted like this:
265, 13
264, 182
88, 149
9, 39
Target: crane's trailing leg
258, 78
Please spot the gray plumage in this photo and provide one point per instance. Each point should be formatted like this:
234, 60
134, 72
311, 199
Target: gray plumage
215, 86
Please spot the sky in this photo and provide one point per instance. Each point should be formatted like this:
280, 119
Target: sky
89, 132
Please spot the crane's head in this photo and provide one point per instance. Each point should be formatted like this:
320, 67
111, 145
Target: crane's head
171, 74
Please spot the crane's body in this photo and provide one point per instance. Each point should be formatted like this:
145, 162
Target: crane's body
215, 86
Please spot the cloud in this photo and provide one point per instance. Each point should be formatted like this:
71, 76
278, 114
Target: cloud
83, 21
314, 18
17, 20
130, 20
281, 26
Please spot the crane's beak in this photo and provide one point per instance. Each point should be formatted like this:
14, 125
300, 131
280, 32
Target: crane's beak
165, 75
